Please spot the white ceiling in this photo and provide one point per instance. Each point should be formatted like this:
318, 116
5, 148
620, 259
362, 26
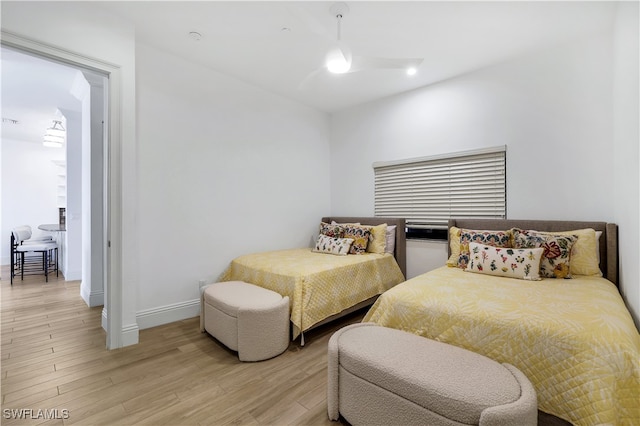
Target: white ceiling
246, 40
32, 91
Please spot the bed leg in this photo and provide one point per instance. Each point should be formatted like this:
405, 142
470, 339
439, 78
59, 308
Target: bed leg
301, 339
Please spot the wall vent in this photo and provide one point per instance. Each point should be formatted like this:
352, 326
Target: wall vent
9, 121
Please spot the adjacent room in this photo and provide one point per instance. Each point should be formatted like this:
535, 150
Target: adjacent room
202, 132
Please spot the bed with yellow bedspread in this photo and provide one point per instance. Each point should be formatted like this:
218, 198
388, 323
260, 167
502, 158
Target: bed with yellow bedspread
574, 339
318, 285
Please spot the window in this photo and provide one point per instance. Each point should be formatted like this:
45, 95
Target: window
428, 191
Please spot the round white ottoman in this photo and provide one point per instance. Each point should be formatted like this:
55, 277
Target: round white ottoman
246, 318
383, 376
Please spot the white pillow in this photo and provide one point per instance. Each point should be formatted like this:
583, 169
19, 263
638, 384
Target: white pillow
391, 239
338, 246
521, 263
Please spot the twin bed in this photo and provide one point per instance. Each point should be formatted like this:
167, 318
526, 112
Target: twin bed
573, 338
322, 287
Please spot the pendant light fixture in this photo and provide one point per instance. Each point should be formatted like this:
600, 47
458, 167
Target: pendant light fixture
54, 136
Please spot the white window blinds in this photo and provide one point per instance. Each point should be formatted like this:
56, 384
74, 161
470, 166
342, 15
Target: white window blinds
428, 191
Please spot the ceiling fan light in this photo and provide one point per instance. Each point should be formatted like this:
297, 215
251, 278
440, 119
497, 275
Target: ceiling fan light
338, 60
338, 66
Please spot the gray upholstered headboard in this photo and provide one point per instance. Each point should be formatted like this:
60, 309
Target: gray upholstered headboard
401, 238
608, 240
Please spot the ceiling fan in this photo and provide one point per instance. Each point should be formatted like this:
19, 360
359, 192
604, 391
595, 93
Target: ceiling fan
340, 60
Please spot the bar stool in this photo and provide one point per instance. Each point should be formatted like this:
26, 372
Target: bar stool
45, 250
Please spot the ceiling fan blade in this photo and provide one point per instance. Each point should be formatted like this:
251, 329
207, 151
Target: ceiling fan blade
306, 82
362, 63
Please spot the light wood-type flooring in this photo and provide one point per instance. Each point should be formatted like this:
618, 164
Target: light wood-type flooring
54, 359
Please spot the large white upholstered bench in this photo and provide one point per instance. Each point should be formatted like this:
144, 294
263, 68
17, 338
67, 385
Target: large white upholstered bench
379, 375
246, 318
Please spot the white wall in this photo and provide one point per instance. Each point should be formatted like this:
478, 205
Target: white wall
626, 186
225, 169
29, 188
552, 108
425, 255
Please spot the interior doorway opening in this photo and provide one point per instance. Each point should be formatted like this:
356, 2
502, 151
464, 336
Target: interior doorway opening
86, 180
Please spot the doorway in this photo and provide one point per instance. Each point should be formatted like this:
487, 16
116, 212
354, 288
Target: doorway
102, 206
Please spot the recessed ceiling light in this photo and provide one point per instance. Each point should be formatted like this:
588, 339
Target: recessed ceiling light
411, 71
285, 29
195, 35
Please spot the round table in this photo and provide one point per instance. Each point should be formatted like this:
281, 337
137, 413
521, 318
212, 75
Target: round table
54, 227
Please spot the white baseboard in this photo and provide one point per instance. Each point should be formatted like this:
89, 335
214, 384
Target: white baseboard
165, 314
129, 332
130, 335
96, 298
155, 317
92, 299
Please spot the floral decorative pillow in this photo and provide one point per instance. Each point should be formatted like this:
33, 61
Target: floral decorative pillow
523, 264
585, 253
556, 259
339, 246
489, 238
331, 230
360, 235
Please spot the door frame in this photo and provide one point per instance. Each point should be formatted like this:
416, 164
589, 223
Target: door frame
112, 218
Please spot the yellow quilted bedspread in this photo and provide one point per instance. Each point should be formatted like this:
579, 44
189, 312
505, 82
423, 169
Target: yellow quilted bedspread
318, 285
574, 339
